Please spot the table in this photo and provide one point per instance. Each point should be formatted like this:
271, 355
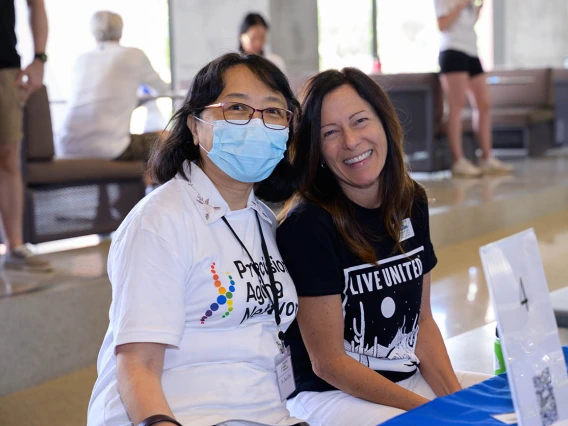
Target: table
471, 406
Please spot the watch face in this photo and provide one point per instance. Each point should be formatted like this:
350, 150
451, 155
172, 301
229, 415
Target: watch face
41, 56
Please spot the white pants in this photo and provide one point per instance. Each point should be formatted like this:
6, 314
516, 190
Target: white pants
337, 408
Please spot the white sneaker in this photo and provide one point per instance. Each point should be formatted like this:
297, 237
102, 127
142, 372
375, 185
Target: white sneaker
22, 258
495, 166
465, 168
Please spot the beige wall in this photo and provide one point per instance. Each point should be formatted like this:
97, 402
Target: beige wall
534, 32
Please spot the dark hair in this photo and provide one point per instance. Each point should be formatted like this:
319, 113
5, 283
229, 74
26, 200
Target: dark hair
251, 20
178, 147
320, 186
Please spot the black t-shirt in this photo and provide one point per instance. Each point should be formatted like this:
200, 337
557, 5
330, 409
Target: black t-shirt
381, 306
9, 57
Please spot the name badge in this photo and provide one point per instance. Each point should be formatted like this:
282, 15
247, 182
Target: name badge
406, 230
285, 374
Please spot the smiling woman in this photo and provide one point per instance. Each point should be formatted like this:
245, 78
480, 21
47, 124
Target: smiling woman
356, 241
346, 115
354, 144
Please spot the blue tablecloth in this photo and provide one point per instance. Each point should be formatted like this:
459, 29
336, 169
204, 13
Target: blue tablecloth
471, 406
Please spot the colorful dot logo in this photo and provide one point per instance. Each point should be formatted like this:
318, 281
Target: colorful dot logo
225, 296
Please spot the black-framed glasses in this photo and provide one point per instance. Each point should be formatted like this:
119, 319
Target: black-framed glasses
241, 114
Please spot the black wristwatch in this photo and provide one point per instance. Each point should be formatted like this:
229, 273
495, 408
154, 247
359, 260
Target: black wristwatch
42, 57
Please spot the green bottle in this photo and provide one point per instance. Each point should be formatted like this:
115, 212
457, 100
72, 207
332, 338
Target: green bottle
498, 360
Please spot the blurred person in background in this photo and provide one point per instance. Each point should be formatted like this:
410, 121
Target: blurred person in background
461, 75
252, 39
104, 95
16, 85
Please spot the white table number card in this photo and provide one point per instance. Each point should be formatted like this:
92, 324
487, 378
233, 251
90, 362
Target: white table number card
536, 369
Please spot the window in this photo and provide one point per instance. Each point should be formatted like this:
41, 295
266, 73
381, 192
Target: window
408, 36
345, 35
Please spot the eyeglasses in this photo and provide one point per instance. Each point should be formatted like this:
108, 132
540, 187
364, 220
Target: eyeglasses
241, 114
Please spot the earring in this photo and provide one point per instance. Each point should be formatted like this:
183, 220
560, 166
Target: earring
323, 165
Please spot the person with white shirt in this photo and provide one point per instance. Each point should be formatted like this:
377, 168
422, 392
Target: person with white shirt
194, 338
461, 74
104, 95
252, 39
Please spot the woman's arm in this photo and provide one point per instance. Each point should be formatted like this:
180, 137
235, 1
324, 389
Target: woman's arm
321, 324
139, 372
35, 70
446, 21
435, 365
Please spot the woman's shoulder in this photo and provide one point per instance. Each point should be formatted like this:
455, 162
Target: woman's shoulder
307, 216
162, 212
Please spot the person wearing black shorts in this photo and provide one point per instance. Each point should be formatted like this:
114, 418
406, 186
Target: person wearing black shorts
461, 75
455, 61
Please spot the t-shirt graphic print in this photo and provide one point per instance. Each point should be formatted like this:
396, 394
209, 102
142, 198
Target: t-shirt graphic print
380, 302
381, 306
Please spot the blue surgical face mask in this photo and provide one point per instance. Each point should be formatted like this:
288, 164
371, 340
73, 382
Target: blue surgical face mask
247, 152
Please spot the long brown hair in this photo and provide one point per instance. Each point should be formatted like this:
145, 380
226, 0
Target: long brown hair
320, 186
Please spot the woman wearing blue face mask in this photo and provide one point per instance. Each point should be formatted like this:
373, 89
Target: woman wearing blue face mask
194, 338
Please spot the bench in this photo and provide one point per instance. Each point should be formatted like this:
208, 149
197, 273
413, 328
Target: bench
419, 102
70, 197
522, 110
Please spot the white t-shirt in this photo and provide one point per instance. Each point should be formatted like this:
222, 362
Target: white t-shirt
179, 277
461, 34
106, 79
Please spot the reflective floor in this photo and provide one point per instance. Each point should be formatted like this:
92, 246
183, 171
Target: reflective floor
460, 299
459, 295
530, 176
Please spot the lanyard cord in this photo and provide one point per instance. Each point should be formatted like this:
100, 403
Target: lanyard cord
274, 290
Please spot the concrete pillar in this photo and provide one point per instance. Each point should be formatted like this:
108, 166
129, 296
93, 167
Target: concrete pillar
202, 30
294, 34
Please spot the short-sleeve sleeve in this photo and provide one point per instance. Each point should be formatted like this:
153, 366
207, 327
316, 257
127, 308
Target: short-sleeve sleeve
308, 243
421, 217
148, 280
442, 7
